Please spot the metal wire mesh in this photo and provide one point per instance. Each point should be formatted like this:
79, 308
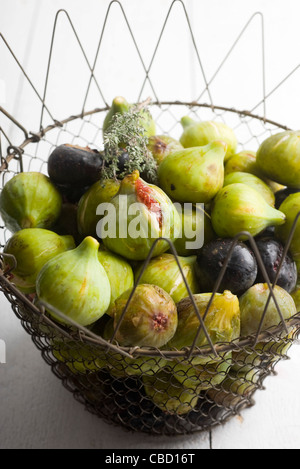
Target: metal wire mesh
151, 390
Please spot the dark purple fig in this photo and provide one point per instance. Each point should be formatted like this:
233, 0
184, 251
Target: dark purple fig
241, 271
72, 164
281, 195
271, 251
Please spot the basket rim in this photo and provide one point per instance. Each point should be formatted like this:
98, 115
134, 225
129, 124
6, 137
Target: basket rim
16, 151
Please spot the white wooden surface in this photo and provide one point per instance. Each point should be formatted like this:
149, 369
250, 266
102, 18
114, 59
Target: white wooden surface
35, 410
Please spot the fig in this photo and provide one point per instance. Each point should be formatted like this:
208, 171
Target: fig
194, 174
239, 207
197, 134
120, 105
237, 385
74, 166
100, 192
80, 358
222, 320
122, 367
164, 272
295, 294
76, 284
252, 181
271, 251
196, 230
252, 305
203, 375
29, 200
138, 215
32, 248
244, 161
241, 270
150, 320
291, 208
162, 145
278, 157
119, 273
168, 394
66, 224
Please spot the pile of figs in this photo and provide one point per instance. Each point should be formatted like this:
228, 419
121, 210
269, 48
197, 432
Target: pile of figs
80, 242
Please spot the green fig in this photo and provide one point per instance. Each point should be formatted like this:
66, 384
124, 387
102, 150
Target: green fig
138, 215
252, 181
164, 272
79, 357
29, 200
252, 305
98, 193
76, 284
244, 161
239, 207
237, 385
279, 158
32, 248
291, 208
162, 145
150, 320
194, 174
120, 105
119, 273
222, 320
122, 367
197, 134
196, 230
203, 375
168, 394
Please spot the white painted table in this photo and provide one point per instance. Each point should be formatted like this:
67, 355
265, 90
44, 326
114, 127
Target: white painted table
35, 410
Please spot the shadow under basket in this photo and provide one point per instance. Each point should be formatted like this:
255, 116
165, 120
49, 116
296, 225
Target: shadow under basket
160, 392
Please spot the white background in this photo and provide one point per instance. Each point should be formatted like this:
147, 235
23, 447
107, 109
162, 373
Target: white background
35, 410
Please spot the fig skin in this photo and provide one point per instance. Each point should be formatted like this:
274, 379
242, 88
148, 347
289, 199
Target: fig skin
164, 272
32, 248
222, 320
279, 158
238, 207
80, 358
162, 145
168, 394
157, 218
29, 200
150, 320
290, 207
74, 166
244, 161
252, 304
194, 174
206, 373
283, 194
190, 217
76, 284
100, 192
271, 251
196, 134
241, 271
119, 273
120, 105
252, 181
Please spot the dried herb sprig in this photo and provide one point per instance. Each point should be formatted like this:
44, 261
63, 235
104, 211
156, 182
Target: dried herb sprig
126, 133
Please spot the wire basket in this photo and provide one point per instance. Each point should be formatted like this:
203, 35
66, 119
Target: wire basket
146, 389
